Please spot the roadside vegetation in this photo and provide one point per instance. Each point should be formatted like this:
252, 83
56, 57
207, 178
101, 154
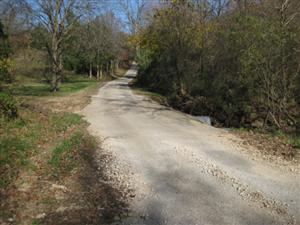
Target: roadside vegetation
235, 61
52, 59
47, 169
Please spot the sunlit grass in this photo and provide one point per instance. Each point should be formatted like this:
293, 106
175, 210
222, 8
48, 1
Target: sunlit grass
72, 84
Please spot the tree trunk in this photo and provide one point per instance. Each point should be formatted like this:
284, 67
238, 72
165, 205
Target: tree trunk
56, 62
91, 71
112, 67
98, 72
101, 72
60, 67
55, 67
53, 82
182, 88
117, 65
107, 68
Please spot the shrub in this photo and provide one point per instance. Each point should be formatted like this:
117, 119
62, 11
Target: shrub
5, 50
5, 70
242, 68
8, 106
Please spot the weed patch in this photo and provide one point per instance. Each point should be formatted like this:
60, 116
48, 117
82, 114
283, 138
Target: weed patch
65, 155
64, 120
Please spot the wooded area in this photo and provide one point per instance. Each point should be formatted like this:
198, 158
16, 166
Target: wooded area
236, 61
47, 43
59, 36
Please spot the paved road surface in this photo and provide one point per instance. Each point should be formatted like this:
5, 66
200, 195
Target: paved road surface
187, 172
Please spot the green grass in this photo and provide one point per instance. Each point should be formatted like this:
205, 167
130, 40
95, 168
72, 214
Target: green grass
73, 84
22, 137
292, 139
36, 222
147, 93
153, 95
61, 122
65, 150
17, 137
68, 153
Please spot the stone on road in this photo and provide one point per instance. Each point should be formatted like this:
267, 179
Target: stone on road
186, 172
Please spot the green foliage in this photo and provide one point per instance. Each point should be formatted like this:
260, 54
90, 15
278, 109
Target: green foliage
8, 106
94, 45
5, 50
243, 69
249, 80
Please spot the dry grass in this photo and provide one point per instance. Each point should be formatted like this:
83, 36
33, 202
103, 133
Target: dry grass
273, 146
36, 149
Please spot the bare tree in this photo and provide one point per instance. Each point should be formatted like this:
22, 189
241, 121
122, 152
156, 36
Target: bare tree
134, 12
59, 18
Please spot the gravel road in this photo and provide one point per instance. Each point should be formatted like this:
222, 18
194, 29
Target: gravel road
183, 171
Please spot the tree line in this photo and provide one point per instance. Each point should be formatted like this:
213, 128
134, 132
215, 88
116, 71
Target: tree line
70, 35
236, 61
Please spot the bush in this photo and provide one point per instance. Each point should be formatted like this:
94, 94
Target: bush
242, 70
8, 106
5, 62
5, 68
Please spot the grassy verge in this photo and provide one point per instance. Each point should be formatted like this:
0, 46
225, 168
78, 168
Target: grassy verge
291, 139
26, 135
31, 133
73, 84
47, 156
272, 144
66, 155
152, 95
40, 143
35, 149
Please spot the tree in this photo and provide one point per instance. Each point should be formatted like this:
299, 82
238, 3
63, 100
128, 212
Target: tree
134, 12
96, 45
237, 61
59, 18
